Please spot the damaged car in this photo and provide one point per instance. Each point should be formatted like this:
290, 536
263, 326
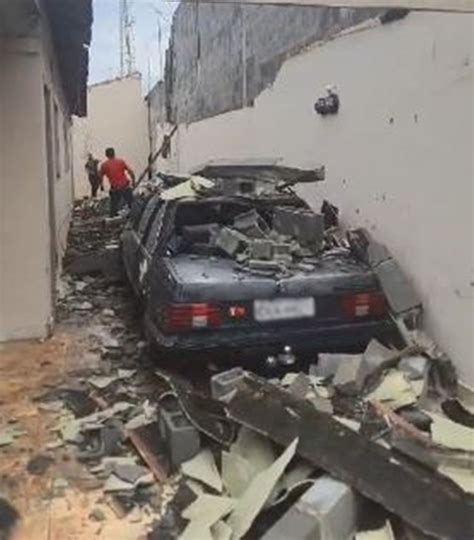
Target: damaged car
230, 258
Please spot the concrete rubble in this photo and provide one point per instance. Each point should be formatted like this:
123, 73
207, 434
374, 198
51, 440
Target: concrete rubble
284, 243
327, 510
255, 476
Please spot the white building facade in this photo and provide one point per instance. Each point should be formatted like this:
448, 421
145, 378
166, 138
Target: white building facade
43, 76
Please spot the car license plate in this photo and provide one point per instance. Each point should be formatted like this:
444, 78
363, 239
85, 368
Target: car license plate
283, 309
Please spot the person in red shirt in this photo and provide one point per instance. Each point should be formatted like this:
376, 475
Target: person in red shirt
120, 177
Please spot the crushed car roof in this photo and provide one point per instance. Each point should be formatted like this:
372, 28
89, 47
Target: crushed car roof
266, 169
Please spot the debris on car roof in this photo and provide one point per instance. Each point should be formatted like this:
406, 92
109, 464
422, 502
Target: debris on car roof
277, 241
193, 187
245, 179
289, 238
260, 169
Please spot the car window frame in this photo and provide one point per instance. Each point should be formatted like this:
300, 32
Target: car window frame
148, 214
155, 229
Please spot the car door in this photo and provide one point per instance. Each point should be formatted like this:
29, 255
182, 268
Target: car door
149, 244
133, 238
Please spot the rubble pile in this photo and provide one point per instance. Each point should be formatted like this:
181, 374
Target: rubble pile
308, 455
373, 445
93, 241
292, 242
263, 242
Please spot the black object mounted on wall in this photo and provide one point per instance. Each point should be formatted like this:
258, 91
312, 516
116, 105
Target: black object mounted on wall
328, 104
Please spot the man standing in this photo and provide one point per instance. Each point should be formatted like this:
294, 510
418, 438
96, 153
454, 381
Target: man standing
92, 168
120, 176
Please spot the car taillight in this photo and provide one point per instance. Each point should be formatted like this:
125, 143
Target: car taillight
182, 317
370, 304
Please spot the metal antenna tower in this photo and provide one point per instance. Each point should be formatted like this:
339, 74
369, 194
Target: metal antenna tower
127, 39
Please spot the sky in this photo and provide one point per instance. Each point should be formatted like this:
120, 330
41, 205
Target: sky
105, 47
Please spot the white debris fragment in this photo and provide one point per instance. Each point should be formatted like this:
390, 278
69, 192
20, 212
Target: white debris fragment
51, 406
209, 509
347, 370
255, 448
102, 381
70, 427
221, 531
84, 306
256, 495
385, 533
394, 390
374, 356
414, 366
192, 187
196, 487
126, 373
463, 477
202, 467
196, 531
351, 424
237, 473
114, 483
9, 434
288, 378
53, 445
450, 434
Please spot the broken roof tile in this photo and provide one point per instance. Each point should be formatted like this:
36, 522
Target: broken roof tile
202, 467
395, 390
450, 434
208, 509
255, 496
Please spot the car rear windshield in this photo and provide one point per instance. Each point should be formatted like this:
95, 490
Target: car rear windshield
212, 227
196, 225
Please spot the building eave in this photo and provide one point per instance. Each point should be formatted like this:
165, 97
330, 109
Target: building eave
71, 29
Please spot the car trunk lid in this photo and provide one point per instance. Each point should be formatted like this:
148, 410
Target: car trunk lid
218, 293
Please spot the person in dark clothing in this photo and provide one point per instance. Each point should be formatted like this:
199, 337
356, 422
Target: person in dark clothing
121, 177
9, 521
92, 168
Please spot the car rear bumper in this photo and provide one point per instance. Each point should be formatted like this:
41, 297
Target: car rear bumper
337, 338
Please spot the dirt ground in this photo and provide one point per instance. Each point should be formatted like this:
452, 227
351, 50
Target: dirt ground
27, 371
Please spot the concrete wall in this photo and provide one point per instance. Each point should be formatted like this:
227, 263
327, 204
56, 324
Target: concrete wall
399, 155
117, 116
34, 210
221, 56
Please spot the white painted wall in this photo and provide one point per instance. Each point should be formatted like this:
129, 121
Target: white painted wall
398, 156
26, 234
25, 292
117, 117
